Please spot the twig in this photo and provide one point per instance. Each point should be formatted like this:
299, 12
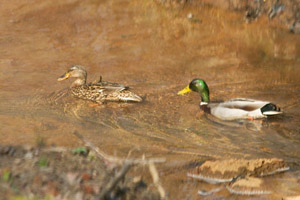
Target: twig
120, 161
99, 153
55, 149
114, 181
155, 178
210, 192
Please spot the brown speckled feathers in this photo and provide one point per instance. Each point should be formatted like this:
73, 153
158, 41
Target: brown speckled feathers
100, 91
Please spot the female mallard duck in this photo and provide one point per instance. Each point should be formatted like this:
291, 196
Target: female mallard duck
98, 92
233, 109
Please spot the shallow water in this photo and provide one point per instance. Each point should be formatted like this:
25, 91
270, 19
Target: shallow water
155, 51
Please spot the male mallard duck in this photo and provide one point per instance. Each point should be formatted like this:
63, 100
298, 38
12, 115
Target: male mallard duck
233, 109
98, 92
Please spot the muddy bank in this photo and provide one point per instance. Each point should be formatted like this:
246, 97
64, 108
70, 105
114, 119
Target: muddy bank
61, 173
44, 172
285, 12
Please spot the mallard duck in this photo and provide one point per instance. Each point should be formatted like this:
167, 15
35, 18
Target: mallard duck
100, 91
233, 109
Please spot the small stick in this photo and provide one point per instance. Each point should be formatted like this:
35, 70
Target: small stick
210, 192
114, 181
107, 158
155, 177
99, 153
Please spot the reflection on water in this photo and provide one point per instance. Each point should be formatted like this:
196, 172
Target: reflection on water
157, 52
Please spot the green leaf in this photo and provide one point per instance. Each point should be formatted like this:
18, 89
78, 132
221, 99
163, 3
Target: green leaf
80, 150
6, 175
43, 162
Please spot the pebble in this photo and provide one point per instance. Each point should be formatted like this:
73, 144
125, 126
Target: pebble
295, 27
190, 16
79, 196
137, 179
28, 155
86, 177
71, 177
17, 161
88, 189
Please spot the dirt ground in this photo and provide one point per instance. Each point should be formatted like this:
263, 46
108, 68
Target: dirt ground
287, 12
60, 173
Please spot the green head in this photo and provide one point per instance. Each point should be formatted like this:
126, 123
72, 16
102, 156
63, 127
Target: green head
197, 85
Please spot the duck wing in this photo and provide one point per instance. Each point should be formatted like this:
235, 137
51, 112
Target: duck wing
244, 104
107, 91
242, 108
108, 85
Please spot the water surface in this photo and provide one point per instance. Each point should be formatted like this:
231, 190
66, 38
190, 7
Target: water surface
157, 52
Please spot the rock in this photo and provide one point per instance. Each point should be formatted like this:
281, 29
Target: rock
17, 161
222, 171
78, 196
190, 16
137, 179
28, 155
295, 27
71, 177
86, 177
88, 189
248, 186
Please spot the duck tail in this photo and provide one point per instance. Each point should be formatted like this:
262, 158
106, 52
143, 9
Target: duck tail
270, 109
129, 96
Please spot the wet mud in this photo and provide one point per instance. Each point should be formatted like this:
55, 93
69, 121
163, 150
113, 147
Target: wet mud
156, 51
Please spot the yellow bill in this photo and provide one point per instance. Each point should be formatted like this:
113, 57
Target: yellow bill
184, 91
63, 77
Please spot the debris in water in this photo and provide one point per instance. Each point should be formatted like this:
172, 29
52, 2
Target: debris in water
210, 192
